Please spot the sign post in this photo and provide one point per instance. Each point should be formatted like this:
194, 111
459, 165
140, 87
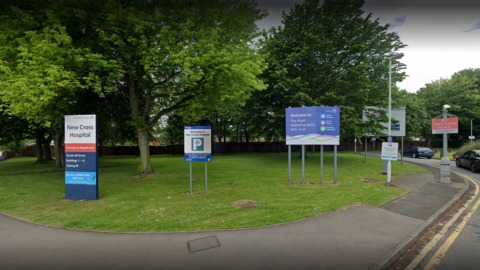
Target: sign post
389, 152
395, 130
313, 126
445, 126
198, 147
81, 162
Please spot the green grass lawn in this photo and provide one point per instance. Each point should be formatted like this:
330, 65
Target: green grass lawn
449, 155
24, 165
160, 202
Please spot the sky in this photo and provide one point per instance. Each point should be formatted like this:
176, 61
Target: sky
443, 37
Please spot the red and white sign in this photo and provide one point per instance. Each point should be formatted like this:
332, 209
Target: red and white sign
444, 125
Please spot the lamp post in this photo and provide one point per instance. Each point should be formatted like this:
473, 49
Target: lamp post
445, 161
398, 56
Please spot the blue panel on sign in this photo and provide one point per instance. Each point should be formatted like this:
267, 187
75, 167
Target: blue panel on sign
80, 162
81, 178
198, 157
198, 144
81, 192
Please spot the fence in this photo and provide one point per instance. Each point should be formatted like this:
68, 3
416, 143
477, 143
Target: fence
8, 154
222, 148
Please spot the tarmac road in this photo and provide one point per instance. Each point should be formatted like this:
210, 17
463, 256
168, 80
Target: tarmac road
459, 250
359, 236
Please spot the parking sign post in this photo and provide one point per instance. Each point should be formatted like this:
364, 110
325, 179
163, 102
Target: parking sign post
198, 147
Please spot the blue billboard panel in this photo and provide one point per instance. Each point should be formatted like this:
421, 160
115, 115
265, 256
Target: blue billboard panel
313, 125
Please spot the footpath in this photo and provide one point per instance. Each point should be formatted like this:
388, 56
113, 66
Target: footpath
359, 236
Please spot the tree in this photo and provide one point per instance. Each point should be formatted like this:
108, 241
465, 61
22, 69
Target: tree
327, 54
417, 119
13, 131
40, 70
184, 56
461, 92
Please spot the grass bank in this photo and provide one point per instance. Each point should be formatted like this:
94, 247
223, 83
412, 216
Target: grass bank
160, 202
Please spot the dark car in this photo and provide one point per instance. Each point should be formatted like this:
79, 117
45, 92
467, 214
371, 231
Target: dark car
416, 152
469, 159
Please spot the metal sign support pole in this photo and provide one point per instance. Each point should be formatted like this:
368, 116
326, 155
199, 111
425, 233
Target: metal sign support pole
321, 164
190, 177
303, 164
445, 161
289, 163
401, 153
335, 164
206, 177
365, 147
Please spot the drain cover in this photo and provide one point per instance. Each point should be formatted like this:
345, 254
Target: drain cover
203, 243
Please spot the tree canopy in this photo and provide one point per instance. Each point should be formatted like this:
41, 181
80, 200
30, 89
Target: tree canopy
326, 54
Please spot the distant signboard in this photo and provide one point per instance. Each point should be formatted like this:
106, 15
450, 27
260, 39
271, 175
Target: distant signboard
198, 143
399, 114
389, 151
445, 125
313, 125
81, 163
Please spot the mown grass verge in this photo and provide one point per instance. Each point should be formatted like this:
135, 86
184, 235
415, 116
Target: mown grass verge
159, 203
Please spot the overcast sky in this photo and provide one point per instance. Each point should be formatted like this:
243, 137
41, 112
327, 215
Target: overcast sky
443, 37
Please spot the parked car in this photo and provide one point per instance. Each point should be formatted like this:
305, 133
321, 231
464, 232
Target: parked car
416, 152
469, 159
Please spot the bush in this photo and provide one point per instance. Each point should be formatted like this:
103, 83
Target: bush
468, 146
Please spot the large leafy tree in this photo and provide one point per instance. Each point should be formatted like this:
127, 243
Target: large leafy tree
164, 55
184, 56
326, 54
41, 69
461, 92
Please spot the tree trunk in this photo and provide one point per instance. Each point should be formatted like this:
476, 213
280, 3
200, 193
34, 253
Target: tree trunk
46, 150
300, 156
171, 140
18, 148
100, 146
59, 152
144, 152
224, 131
247, 136
38, 145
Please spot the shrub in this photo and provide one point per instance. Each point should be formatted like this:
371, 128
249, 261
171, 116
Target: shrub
468, 146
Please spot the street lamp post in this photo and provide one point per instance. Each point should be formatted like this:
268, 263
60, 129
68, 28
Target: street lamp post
398, 56
445, 161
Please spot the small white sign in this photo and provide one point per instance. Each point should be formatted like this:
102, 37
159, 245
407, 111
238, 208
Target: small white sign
80, 128
389, 151
471, 137
198, 143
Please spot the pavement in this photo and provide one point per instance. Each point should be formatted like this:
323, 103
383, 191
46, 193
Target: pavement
358, 236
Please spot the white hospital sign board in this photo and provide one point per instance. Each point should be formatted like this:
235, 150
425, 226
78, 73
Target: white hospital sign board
389, 151
198, 143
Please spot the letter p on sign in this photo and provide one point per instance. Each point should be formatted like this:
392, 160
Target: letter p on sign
197, 144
